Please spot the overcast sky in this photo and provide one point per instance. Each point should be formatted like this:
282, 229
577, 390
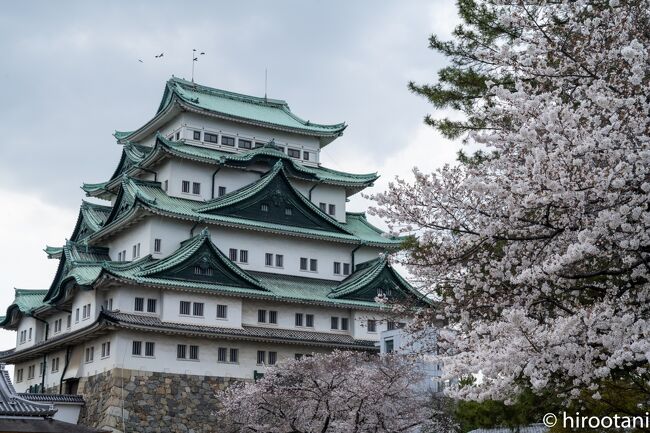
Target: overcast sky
71, 76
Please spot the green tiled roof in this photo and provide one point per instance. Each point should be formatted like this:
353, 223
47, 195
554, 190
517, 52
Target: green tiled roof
271, 113
53, 252
136, 156
149, 195
25, 300
91, 218
86, 265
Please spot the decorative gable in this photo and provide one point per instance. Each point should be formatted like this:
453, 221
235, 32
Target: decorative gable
199, 260
273, 199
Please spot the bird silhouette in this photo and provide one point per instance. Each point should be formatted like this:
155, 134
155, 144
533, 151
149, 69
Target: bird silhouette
159, 55
202, 53
140, 60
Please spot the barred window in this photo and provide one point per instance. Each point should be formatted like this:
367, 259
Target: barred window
196, 188
157, 243
299, 318
303, 263
234, 355
149, 348
372, 325
194, 352
245, 144
196, 135
221, 191
227, 141
151, 305
346, 269
185, 307
309, 320
279, 260
335, 323
139, 305
344, 323
210, 138
197, 309
233, 254
222, 353
273, 317
337, 268
261, 316
261, 357
243, 256
136, 349
222, 311
181, 350
313, 265
185, 186
273, 358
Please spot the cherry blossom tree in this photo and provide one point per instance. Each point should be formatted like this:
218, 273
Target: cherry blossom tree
539, 251
342, 392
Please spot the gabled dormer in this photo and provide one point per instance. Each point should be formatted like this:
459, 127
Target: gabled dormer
376, 278
273, 199
199, 260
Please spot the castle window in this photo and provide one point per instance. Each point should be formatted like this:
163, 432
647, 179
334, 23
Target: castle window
196, 188
149, 348
55, 364
335, 323
269, 259
90, 354
222, 311
178, 135
305, 156
273, 358
390, 346
299, 318
165, 185
106, 349
323, 206
261, 316
344, 323
261, 357
136, 348
279, 260
196, 135
19, 375
210, 138
293, 153
222, 354
197, 309
157, 244
303, 263
151, 305
234, 355
185, 186
309, 320
313, 265
244, 144
346, 269
198, 270
181, 351
139, 304
30, 329
31, 372
288, 211
372, 325
264, 207
273, 317
222, 191
227, 141
185, 308
233, 254
243, 256
69, 322
337, 268
194, 352
331, 209
76, 316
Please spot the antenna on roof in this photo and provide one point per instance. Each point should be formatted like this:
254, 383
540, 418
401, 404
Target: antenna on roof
266, 81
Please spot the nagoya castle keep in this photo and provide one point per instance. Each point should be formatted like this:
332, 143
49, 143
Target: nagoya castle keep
218, 247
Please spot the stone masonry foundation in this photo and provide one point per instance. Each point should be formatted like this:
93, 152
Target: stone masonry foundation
146, 402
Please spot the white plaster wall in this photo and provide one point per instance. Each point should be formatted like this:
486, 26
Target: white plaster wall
24, 325
193, 121
124, 240
171, 309
81, 298
287, 312
165, 355
328, 194
51, 378
172, 232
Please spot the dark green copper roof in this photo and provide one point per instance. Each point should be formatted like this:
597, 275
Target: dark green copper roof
25, 300
250, 109
135, 157
136, 195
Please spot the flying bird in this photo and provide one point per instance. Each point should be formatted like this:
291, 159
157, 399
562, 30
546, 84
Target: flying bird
140, 60
202, 53
159, 55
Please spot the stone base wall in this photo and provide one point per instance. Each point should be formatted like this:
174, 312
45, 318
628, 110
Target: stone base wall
139, 401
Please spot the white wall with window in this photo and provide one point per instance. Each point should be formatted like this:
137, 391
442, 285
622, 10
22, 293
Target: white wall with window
201, 309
